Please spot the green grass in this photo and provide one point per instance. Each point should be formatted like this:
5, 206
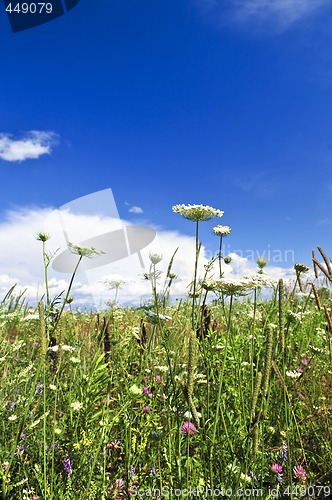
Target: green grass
126, 432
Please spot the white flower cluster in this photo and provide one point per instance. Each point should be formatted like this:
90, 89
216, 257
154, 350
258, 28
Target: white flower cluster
76, 405
163, 369
197, 212
55, 348
293, 374
227, 287
259, 281
153, 315
297, 316
221, 230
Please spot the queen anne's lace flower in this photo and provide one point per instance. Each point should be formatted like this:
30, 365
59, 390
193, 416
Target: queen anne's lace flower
76, 405
301, 268
197, 212
84, 251
221, 230
239, 288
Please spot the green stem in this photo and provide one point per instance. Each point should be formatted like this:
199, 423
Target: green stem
46, 264
68, 293
195, 279
219, 392
220, 255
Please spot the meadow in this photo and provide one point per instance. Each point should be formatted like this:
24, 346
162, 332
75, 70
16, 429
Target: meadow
223, 394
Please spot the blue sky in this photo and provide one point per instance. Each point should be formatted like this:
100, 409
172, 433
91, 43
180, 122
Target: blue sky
224, 103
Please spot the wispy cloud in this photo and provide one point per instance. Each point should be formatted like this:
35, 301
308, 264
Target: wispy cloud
31, 145
136, 210
280, 14
261, 184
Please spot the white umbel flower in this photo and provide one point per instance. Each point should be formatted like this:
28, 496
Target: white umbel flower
197, 212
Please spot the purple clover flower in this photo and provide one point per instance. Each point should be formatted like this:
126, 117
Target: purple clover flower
276, 468
299, 472
188, 428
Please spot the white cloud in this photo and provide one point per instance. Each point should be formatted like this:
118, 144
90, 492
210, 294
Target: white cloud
282, 12
30, 146
21, 259
136, 210
278, 14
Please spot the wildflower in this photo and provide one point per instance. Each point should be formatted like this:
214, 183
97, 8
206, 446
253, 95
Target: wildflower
29, 317
39, 388
259, 281
197, 212
119, 483
221, 230
12, 418
155, 258
304, 361
23, 436
74, 360
146, 409
67, 466
188, 428
188, 414
301, 268
132, 471
276, 468
43, 237
68, 348
146, 390
293, 374
53, 348
84, 251
135, 389
227, 287
162, 368
299, 472
114, 445
60, 415
261, 263
253, 477
76, 405
153, 315
153, 471
20, 450
284, 452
